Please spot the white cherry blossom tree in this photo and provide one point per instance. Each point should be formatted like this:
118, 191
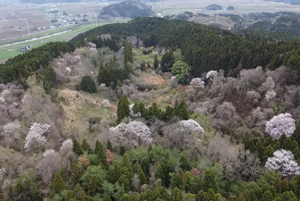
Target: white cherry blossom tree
284, 162
281, 124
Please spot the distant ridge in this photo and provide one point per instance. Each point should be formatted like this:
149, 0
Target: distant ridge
293, 2
129, 9
48, 1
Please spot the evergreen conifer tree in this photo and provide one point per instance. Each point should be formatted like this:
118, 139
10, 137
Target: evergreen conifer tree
182, 111
209, 181
69, 195
76, 147
109, 146
123, 108
176, 195
101, 155
143, 179
88, 84
86, 147
57, 185
94, 186
155, 64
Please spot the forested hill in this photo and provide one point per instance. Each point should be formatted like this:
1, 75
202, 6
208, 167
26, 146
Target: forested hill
204, 48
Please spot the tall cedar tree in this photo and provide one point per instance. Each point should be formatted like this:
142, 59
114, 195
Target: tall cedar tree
94, 186
128, 168
69, 195
76, 147
123, 108
109, 146
86, 147
57, 185
101, 155
128, 56
49, 78
24, 190
167, 61
143, 179
182, 111
209, 181
155, 64
88, 84
176, 195
109, 75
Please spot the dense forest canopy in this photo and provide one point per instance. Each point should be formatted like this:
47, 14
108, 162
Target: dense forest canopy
204, 48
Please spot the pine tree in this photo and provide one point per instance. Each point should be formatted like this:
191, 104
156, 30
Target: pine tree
127, 164
106, 198
76, 147
69, 195
122, 150
155, 64
86, 198
113, 174
128, 56
123, 180
24, 190
57, 184
200, 196
86, 147
101, 155
143, 179
148, 195
161, 193
168, 114
184, 164
181, 111
109, 146
75, 173
88, 84
79, 192
123, 108
267, 196
176, 181
94, 186
209, 181
176, 195
296, 185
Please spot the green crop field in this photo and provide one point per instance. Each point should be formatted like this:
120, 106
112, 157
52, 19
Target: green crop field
9, 48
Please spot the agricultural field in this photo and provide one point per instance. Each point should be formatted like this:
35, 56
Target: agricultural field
9, 50
241, 7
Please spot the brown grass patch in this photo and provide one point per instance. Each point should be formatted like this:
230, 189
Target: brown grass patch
152, 79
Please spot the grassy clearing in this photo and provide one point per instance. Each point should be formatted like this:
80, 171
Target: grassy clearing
79, 107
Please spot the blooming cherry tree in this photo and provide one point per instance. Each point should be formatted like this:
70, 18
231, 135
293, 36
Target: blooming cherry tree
197, 83
131, 134
284, 162
192, 125
35, 135
281, 124
211, 74
66, 146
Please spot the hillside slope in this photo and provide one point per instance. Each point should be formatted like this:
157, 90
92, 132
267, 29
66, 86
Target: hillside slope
129, 9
